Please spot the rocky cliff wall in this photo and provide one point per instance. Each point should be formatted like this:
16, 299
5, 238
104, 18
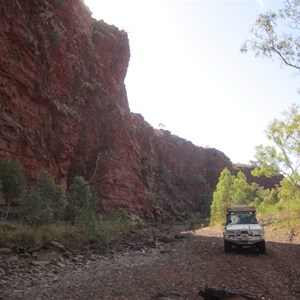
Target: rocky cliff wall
177, 176
64, 108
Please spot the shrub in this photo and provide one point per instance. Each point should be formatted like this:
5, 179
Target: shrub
81, 209
80, 193
45, 203
35, 210
12, 180
1, 195
81, 202
198, 179
54, 36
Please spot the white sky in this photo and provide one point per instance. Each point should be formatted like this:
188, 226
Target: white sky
186, 70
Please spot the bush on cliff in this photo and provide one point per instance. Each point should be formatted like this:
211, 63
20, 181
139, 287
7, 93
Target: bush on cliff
12, 183
45, 203
81, 208
12, 179
81, 201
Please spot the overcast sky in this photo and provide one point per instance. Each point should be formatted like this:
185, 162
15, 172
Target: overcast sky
186, 70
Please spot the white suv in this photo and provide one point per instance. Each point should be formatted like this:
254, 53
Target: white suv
242, 229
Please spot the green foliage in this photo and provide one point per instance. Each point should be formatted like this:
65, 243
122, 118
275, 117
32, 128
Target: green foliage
1, 194
266, 205
289, 196
44, 208
276, 34
80, 193
234, 190
222, 197
283, 157
270, 204
81, 202
55, 36
12, 180
35, 211
271, 197
81, 209
280, 205
192, 225
242, 192
45, 202
198, 179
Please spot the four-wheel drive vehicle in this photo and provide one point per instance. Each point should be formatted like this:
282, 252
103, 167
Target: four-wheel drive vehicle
242, 229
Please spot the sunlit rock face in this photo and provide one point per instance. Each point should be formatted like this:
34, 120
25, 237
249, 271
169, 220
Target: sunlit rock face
64, 108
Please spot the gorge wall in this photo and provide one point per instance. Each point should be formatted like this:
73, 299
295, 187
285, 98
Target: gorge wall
64, 108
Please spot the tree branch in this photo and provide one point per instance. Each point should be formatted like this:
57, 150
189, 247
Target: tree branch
283, 58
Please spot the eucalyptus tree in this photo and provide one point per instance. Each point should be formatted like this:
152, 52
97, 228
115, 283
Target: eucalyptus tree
277, 35
222, 197
283, 155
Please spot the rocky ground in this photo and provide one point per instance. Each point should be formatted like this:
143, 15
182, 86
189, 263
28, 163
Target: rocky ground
163, 263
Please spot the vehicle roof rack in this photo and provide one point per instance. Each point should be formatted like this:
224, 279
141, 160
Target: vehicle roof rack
241, 208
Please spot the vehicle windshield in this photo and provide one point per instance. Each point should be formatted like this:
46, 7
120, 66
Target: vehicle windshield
243, 219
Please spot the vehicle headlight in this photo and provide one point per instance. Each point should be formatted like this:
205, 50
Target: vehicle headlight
231, 232
257, 232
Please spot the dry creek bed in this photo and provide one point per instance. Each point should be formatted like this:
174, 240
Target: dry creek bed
164, 263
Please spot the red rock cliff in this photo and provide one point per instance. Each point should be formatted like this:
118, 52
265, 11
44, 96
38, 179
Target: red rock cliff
178, 177
64, 108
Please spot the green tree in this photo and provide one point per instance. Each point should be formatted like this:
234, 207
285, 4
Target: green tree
12, 182
242, 191
265, 200
276, 35
283, 157
45, 202
222, 197
271, 197
289, 196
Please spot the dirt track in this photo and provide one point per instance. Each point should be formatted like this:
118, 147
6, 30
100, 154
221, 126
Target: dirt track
168, 263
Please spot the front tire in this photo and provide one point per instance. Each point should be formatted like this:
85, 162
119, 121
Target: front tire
227, 246
262, 247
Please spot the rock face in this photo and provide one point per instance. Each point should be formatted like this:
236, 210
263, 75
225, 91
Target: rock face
64, 108
176, 175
